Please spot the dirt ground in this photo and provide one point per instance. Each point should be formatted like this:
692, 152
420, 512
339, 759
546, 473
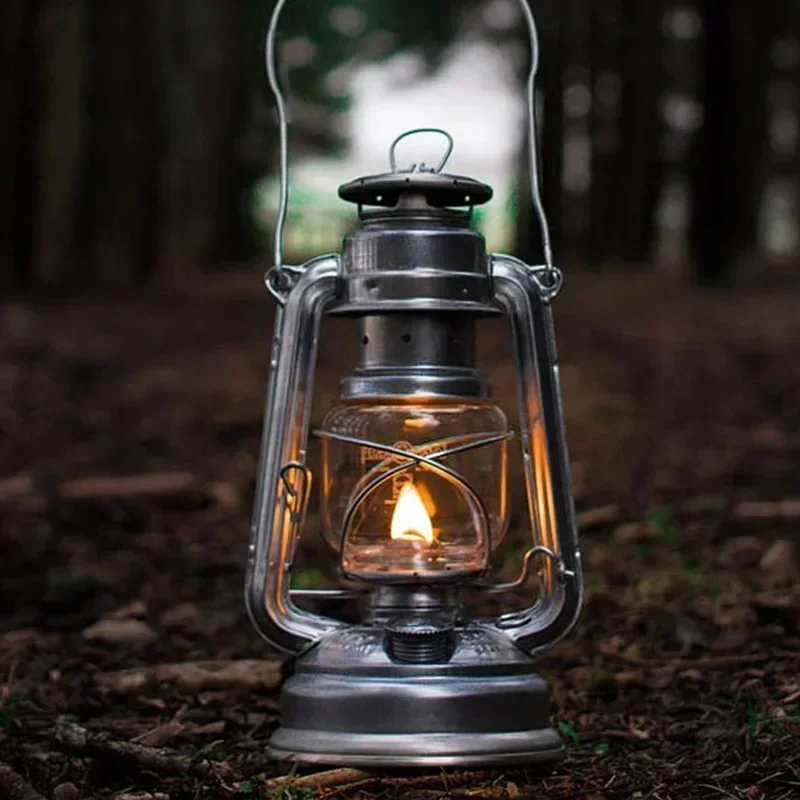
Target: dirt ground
682, 680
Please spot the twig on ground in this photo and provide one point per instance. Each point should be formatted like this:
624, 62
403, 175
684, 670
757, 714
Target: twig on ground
632, 735
782, 509
379, 782
104, 487
141, 796
175, 729
319, 780
479, 793
195, 676
713, 662
76, 739
703, 504
16, 488
593, 517
15, 787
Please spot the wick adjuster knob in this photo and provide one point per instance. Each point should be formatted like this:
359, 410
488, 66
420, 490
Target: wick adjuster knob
419, 640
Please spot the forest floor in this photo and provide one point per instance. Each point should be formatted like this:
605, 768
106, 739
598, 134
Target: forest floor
130, 427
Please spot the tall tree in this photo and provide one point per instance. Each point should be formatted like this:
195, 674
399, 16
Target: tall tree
640, 164
18, 78
712, 235
608, 168
753, 29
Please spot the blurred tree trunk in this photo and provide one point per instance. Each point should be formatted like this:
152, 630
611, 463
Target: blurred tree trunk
781, 85
148, 102
18, 136
752, 30
792, 40
608, 158
60, 37
578, 154
640, 163
210, 57
92, 210
173, 39
713, 235
236, 64
117, 220
134, 168
10, 41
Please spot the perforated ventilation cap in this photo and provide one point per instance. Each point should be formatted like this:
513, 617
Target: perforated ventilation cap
439, 190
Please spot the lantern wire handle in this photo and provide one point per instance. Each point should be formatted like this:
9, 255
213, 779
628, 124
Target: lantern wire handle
422, 167
550, 272
553, 275
283, 129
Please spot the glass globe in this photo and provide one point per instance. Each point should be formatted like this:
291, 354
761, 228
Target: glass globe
418, 523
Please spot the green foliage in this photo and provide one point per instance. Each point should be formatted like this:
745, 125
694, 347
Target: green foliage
9, 707
202, 752
666, 529
307, 578
290, 792
591, 588
645, 550
601, 749
760, 727
378, 30
256, 789
569, 731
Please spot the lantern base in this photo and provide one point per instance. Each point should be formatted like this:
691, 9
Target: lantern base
348, 703
421, 751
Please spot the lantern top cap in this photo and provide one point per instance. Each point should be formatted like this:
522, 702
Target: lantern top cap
439, 190
417, 182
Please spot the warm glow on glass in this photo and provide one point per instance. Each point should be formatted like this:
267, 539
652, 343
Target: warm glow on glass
411, 521
414, 524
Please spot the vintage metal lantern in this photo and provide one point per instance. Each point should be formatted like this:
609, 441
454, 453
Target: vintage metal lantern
414, 489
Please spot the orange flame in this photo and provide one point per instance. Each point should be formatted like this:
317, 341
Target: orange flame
411, 521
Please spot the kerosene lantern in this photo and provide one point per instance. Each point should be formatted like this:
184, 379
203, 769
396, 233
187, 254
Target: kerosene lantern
414, 488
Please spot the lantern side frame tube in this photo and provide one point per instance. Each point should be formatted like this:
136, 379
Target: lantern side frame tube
278, 511
551, 509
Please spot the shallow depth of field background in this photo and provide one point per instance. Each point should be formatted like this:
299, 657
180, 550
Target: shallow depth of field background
139, 140
137, 194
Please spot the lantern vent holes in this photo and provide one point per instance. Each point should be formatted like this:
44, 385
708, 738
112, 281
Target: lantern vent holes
406, 338
417, 192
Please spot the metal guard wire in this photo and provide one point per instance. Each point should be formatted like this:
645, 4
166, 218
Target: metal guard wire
412, 458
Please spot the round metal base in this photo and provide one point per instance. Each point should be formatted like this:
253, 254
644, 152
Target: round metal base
350, 704
534, 748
